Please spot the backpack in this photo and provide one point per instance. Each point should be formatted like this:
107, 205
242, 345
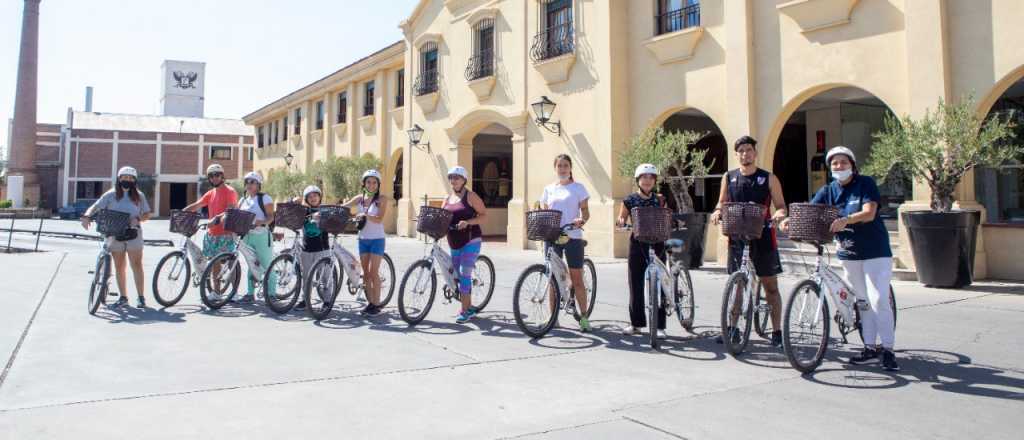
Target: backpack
270, 237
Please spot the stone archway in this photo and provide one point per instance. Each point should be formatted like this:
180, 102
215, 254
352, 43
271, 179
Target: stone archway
1001, 190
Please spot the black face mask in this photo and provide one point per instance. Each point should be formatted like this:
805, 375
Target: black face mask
126, 185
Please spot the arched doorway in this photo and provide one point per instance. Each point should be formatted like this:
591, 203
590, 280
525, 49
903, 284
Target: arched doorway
1001, 189
705, 190
393, 187
491, 171
842, 115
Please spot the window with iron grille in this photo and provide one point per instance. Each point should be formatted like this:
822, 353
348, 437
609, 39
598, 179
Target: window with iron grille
298, 120
676, 15
400, 88
319, 115
220, 153
284, 125
342, 108
481, 64
368, 99
556, 36
427, 81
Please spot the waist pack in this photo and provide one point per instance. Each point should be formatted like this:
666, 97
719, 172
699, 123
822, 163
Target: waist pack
128, 235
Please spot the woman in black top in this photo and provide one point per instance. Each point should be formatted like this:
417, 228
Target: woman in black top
646, 176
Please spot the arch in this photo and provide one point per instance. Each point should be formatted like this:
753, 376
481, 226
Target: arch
470, 123
660, 119
427, 38
481, 14
984, 105
393, 168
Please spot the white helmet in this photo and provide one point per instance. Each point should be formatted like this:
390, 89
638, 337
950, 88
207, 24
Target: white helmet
840, 150
214, 168
645, 168
372, 173
458, 171
127, 171
310, 190
252, 175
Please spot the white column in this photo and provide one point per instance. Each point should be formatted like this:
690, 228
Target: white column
113, 156
199, 164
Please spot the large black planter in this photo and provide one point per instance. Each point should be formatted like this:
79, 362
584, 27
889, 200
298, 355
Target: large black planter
944, 246
694, 237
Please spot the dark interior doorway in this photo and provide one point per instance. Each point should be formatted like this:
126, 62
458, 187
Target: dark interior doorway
790, 163
178, 196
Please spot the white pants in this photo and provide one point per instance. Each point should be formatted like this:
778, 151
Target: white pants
870, 281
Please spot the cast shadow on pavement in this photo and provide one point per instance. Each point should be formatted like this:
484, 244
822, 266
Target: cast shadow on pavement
133, 315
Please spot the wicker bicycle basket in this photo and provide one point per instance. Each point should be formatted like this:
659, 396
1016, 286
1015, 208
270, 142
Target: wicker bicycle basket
743, 220
290, 215
433, 221
651, 224
334, 219
239, 221
112, 223
543, 225
185, 222
810, 222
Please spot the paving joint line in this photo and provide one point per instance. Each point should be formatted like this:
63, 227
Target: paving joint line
654, 428
558, 429
702, 394
947, 302
31, 319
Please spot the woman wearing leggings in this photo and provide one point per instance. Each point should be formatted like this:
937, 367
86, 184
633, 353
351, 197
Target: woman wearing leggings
468, 213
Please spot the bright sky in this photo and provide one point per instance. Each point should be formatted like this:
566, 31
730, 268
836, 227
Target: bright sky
255, 50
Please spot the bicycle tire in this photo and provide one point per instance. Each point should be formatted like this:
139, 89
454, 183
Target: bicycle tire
386, 261
278, 302
165, 297
487, 288
788, 345
230, 261
99, 286
892, 306
404, 309
517, 309
684, 299
652, 293
314, 283
728, 295
588, 269
761, 321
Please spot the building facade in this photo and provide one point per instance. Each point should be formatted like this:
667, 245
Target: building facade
800, 76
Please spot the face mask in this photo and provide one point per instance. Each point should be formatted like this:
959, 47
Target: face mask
842, 175
565, 176
126, 185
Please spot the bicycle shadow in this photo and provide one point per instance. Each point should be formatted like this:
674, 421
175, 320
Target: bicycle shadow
760, 353
233, 310
133, 315
694, 346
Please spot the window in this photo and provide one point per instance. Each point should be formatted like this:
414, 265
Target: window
368, 99
220, 153
259, 136
481, 64
1001, 189
676, 15
277, 131
284, 124
427, 81
492, 177
400, 89
249, 151
298, 120
556, 36
319, 115
88, 190
342, 108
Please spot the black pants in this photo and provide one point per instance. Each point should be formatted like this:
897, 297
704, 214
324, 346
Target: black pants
637, 269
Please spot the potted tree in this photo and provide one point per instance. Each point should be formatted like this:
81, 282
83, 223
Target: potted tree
680, 164
938, 149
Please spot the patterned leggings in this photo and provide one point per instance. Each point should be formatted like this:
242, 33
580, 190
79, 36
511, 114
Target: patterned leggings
463, 261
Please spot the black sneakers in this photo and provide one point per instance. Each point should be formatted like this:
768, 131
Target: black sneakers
734, 332
372, 310
777, 338
141, 303
866, 356
889, 361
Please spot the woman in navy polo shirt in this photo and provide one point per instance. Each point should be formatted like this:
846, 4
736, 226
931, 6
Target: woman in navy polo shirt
864, 253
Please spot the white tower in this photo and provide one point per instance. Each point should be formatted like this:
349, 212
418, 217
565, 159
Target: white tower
182, 88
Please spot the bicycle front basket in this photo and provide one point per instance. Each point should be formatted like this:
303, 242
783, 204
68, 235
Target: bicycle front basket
743, 220
543, 225
290, 215
651, 224
433, 221
811, 222
333, 219
185, 222
239, 221
112, 223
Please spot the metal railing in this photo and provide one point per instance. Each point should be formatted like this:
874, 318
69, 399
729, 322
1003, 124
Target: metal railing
677, 20
426, 83
555, 41
480, 65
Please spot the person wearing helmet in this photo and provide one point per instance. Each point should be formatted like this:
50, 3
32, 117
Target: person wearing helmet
572, 200
315, 243
863, 250
259, 238
750, 184
371, 206
468, 213
217, 200
646, 178
125, 197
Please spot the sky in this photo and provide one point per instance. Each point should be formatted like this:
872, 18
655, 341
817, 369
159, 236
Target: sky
255, 50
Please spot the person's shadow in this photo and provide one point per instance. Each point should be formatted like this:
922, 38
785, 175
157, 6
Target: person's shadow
132, 315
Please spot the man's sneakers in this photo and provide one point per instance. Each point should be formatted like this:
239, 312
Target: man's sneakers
662, 334
465, 316
889, 360
867, 356
629, 330
733, 332
372, 310
584, 324
777, 338
140, 303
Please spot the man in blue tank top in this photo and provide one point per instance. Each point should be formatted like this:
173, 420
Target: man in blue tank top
748, 183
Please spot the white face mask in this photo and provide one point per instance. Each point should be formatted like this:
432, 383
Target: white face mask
564, 176
842, 175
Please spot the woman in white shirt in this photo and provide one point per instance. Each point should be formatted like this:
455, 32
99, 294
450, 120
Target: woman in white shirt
259, 238
372, 206
570, 197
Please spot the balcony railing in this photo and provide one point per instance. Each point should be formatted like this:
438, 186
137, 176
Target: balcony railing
555, 41
480, 65
677, 20
426, 83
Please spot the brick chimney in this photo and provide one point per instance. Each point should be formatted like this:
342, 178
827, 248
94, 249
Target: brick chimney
23, 133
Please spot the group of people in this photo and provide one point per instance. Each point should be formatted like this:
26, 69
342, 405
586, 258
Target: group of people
864, 248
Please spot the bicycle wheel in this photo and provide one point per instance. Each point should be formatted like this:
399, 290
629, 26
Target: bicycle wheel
387, 279
590, 282
652, 293
805, 327
684, 299
415, 299
98, 288
892, 306
282, 283
736, 314
170, 281
228, 277
535, 301
320, 288
483, 283
762, 314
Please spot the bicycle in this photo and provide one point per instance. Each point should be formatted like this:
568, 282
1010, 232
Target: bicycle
667, 286
553, 280
742, 299
109, 223
169, 289
285, 270
414, 303
325, 276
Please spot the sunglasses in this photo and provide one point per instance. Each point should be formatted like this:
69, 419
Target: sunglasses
248, 181
212, 175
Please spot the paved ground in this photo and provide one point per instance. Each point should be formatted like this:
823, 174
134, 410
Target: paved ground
185, 372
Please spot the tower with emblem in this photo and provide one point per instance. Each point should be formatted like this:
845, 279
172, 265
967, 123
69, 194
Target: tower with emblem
182, 88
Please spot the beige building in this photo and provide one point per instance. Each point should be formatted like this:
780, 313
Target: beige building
800, 76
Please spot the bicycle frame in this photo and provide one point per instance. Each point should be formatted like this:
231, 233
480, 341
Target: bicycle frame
663, 276
841, 295
559, 271
349, 263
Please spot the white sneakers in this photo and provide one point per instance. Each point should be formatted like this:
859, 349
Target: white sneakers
636, 331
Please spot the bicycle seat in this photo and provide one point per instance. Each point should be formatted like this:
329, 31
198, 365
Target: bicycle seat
674, 245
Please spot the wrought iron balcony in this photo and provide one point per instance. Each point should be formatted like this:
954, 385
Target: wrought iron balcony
678, 19
426, 83
480, 65
555, 41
